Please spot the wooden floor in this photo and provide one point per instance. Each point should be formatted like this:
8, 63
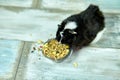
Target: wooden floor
19, 30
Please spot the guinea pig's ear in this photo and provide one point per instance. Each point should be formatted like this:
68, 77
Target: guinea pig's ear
72, 32
59, 26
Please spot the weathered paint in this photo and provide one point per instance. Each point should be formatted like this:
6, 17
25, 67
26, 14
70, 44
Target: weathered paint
92, 64
99, 61
10, 51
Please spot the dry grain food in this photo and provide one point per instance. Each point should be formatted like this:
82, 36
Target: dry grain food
55, 50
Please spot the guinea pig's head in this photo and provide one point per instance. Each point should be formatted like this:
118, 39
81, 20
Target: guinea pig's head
66, 35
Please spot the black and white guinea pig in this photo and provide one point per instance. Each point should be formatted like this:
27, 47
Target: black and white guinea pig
81, 29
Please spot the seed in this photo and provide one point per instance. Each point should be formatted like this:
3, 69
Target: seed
34, 48
32, 51
41, 46
40, 42
75, 64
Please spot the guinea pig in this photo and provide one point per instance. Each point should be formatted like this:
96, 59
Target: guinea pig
81, 29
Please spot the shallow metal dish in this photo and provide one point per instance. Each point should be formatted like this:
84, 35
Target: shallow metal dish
61, 59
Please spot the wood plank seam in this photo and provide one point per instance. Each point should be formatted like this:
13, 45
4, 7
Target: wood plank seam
36, 4
22, 49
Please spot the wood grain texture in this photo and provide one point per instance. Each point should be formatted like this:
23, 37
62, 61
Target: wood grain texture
10, 51
20, 3
92, 64
77, 5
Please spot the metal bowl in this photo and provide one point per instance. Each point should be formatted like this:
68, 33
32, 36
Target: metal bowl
61, 59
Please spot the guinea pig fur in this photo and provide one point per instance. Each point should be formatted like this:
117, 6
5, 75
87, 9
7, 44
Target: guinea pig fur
81, 29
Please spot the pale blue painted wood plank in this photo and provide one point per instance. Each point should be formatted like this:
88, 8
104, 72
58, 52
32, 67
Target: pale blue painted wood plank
93, 64
21, 3
78, 5
9, 52
111, 36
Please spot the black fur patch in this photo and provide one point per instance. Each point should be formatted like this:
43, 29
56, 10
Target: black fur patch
89, 23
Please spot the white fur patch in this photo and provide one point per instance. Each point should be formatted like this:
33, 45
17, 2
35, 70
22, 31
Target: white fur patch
70, 25
99, 35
